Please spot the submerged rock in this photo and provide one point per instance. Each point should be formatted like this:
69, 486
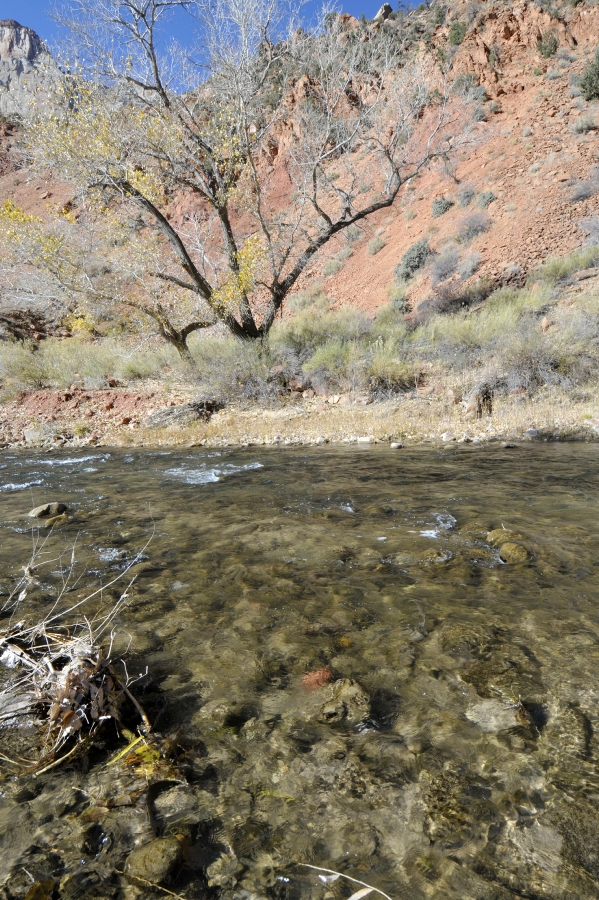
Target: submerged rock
503, 536
155, 861
348, 703
47, 509
513, 553
493, 715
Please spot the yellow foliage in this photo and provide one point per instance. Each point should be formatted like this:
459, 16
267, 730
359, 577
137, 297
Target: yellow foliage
239, 284
81, 322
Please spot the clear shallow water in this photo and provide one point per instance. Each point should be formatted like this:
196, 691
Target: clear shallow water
354, 676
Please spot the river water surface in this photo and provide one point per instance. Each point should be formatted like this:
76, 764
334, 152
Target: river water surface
349, 673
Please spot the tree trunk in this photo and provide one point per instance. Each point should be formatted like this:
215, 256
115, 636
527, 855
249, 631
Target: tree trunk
179, 342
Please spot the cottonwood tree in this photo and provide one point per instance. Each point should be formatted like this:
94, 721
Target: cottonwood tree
343, 119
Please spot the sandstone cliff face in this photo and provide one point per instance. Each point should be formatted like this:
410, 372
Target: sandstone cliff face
26, 69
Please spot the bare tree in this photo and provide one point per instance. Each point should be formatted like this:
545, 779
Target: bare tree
346, 116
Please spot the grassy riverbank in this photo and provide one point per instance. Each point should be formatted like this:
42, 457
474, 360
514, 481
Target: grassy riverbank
332, 373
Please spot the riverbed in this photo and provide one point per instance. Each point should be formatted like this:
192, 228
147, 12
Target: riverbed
384, 664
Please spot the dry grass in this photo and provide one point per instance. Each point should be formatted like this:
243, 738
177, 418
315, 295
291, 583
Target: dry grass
406, 419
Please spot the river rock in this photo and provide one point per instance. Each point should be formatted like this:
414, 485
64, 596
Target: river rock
493, 715
47, 509
348, 703
177, 806
513, 553
155, 861
502, 536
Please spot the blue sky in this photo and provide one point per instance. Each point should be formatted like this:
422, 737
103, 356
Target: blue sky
33, 13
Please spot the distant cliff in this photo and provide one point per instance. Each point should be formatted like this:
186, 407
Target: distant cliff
26, 68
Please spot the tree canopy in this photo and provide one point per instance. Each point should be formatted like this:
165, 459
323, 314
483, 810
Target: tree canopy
347, 116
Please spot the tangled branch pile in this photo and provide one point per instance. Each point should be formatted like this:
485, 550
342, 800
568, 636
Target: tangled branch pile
65, 681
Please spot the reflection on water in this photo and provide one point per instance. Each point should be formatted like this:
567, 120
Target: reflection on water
350, 671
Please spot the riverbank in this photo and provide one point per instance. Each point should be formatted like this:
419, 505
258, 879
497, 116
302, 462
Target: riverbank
154, 417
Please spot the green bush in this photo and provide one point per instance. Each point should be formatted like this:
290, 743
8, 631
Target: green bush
485, 198
413, 259
457, 33
548, 44
560, 268
330, 360
310, 329
440, 15
589, 81
440, 206
59, 363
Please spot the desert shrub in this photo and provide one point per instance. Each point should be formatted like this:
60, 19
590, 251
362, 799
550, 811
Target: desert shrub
582, 190
548, 44
584, 124
58, 364
526, 131
331, 267
440, 15
472, 10
397, 297
440, 206
590, 227
375, 245
464, 83
232, 368
564, 54
457, 33
409, 215
353, 233
493, 107
387, 373
553, 74
449, 297
558, 269
331, 359
469, 265
485, 198
412, 260
472, 225
466, 195
444, 264
589, 80
345, 253
311, 296
311, 328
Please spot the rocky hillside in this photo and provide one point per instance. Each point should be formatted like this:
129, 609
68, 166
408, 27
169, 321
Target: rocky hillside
522, 192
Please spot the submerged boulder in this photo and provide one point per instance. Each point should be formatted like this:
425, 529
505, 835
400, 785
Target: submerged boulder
47, 510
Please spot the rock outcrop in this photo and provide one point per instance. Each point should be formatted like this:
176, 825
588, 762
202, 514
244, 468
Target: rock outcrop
26, 69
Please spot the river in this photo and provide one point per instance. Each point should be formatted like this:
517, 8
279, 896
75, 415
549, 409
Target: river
383, 663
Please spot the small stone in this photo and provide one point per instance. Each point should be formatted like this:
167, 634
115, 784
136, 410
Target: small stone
531, 433
321, 439
513, 553
125, 420
396, 445
506, 445
494, 716
156, 860
364, 440
278, 439
308, 394
47, 509
447, 436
